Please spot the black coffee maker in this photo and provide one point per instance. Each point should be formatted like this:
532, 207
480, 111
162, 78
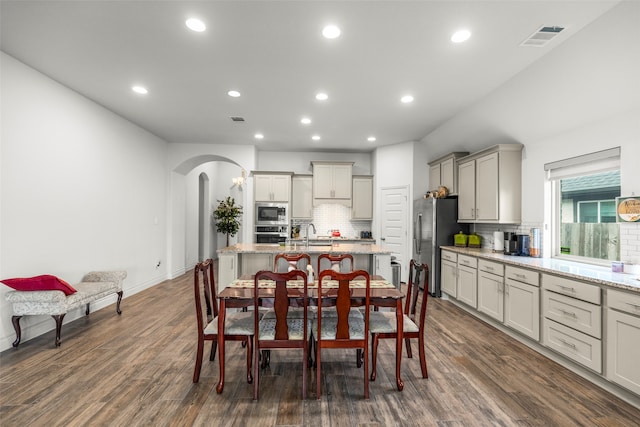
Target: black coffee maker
523, 244
510, 243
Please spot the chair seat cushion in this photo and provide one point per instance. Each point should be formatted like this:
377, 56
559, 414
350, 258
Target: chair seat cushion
267, 328
330, 324
333, 312
385, 322
236, 323
292, 313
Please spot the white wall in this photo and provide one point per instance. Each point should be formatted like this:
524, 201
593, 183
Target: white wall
76, 196
300, 162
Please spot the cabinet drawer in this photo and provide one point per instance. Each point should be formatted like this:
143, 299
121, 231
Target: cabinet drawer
491, 267
572, 288
449, 256
522, 275
574, 313
624, 301
467, 261
579, 347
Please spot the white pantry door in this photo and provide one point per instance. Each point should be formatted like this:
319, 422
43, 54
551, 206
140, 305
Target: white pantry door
394, 219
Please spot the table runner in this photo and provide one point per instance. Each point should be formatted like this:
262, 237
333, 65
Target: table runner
327, 284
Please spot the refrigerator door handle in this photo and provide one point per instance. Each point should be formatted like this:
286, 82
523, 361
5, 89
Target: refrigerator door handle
418, 234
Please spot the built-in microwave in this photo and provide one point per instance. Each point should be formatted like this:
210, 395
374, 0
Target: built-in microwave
271, 214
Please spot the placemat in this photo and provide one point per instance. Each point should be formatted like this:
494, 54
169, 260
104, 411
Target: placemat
327, 284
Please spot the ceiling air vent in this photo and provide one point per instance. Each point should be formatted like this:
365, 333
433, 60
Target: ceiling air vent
541, 37
237, 119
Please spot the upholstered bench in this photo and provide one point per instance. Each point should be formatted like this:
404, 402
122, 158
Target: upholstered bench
56, 303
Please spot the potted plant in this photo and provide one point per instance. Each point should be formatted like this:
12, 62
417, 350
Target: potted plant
227, 216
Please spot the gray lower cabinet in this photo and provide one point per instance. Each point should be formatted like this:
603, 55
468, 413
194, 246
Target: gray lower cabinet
573, 320
623, 339
449, 273
467, 288
491, 289
522, 301
568, 316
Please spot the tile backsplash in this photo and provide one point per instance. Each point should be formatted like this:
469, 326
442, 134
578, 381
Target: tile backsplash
629, 237
327, 217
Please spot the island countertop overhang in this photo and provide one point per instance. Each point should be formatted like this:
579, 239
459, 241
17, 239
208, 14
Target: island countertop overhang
337, 248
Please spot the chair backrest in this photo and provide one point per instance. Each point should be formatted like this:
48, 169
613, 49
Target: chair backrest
417, 295
281, 296
343, 298
204, 288
335, 262
283, 262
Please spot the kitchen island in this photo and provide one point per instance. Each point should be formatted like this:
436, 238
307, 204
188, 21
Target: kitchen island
247, 258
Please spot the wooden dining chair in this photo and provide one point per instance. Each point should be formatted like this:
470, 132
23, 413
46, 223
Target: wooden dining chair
341, 330
281, 330
384, 324
238, 325
292, 262
336, 262
283, 262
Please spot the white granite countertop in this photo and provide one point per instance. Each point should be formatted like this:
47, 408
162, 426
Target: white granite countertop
574, 270
336, 247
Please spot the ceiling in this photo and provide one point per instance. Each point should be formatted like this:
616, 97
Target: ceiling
274, 54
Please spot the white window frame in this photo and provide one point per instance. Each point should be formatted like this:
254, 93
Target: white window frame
587, 164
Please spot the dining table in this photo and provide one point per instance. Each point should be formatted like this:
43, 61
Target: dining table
240, 293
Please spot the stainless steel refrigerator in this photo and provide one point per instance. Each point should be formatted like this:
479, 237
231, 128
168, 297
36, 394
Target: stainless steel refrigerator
435, 221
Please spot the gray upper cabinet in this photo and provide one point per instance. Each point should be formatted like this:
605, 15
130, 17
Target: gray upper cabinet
332, 182
302, 197
362, 207
272, 186
444, 172
490, 185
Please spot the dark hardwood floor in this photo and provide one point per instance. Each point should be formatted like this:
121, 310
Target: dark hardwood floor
136, 370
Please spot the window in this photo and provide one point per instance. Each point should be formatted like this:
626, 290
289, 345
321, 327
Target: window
584, 189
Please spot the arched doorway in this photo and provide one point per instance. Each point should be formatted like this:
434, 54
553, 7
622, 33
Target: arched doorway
196, 185
203, 217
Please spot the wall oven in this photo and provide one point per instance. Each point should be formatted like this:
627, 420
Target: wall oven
271, 214
271, 233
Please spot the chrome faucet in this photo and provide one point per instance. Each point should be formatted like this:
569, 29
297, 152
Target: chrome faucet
306, 237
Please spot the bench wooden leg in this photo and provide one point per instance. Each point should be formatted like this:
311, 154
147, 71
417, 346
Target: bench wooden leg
16, 325
118, 303
58, 318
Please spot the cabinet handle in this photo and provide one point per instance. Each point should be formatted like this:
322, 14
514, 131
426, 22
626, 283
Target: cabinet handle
520, 276
568, 344
488, 268
473, 213
568, 313
567, 288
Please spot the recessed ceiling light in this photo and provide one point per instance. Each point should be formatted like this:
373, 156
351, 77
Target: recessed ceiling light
322, 96
305, 120
406, 99
371, 139
140, 89
233, 93
258, 136
331, 32
460, 36
195, 25
316, 137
